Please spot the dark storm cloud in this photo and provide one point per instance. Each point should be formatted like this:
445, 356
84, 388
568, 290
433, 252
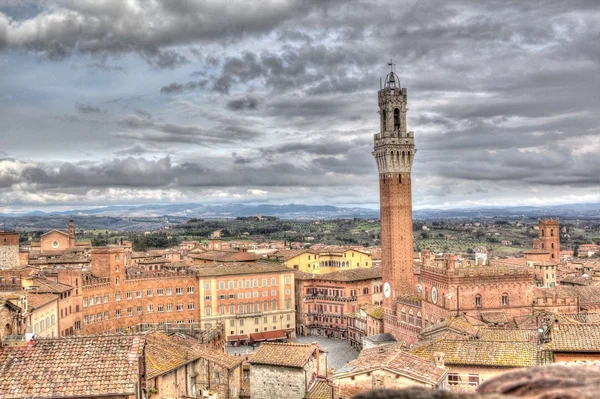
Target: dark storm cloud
247, 102
176, 88
145, 129
502, 95
115, 27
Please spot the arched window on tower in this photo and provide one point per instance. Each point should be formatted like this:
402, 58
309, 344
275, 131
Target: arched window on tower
552, 245
551, 232
478, 301
383, 120
505, 299
542, 232
396, 119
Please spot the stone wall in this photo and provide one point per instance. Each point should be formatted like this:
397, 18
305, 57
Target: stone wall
269, 382
9, 250
346, 388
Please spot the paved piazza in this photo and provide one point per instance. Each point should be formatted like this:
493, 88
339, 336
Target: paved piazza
338, 351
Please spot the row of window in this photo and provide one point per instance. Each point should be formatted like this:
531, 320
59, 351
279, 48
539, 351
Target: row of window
137, 294
245, 308
44, 323
139, 310
245, 283
256, 330
248, 294
240, 322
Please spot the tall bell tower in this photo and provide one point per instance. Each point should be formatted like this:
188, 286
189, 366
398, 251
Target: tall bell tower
394, 152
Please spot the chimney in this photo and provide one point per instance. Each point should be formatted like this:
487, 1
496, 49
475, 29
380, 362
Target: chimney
317, 356
438, 359
556, 325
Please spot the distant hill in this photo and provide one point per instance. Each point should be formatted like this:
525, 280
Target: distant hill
299, 212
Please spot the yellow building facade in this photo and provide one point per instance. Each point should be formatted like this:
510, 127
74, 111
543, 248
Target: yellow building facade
325, 260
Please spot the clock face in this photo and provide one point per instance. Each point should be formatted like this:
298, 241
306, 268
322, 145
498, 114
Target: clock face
434, 295
387, 290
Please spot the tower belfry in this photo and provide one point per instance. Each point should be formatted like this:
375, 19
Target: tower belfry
394, 152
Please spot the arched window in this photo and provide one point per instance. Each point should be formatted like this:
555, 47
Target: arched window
403, 315
505, 299
411, 317
419, 320
478, 301
552, 245
383, 118
396, 119
551, 232
542, 245
542, 232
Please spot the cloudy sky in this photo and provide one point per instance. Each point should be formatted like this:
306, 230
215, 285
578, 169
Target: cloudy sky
160, 101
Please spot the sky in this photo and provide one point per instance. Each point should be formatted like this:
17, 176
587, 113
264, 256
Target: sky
106, 102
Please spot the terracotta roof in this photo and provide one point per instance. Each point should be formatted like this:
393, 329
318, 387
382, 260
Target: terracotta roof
225, 269
319, 390
392, 357
55, 231
287, 254
461, 324
36, 301
225, 256
585, 317
47, 286
486, 353
532, 321
508, 335
165, 353
78, 366
374, 311
285, 355
367, 273
494, 317
575, 338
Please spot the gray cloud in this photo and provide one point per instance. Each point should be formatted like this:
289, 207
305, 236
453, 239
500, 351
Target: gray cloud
247, 102
502, 95
175, 88
86, 108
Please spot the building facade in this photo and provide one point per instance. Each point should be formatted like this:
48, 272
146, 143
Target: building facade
328, 303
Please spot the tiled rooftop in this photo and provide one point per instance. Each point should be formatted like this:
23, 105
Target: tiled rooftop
575, 338
343, 275
225, 256
47, 286
36, 301
485, 353
235, 268
81, 366
285, 355
393, 358
319, 390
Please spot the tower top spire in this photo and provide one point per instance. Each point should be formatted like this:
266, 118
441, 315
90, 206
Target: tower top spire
392, 80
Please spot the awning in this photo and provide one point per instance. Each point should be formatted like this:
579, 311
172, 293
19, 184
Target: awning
257, 337
274, 335
233, 338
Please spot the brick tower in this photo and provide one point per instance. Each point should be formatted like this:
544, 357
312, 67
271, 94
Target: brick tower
549, 238
394, 153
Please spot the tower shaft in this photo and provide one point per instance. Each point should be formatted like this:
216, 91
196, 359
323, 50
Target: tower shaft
394, 151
